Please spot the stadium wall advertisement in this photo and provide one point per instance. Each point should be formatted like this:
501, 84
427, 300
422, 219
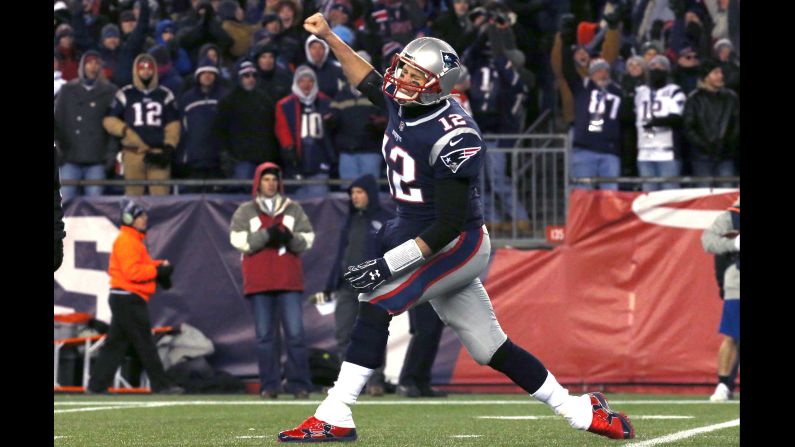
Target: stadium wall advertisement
629, 297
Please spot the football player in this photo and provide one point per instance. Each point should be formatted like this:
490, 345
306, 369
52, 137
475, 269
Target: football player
437, 245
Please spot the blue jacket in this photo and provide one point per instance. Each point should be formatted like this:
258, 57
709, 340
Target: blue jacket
179, 57
376, 216
197, 110
313, 152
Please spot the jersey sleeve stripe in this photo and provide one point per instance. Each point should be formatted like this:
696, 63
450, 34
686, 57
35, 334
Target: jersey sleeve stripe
442, 142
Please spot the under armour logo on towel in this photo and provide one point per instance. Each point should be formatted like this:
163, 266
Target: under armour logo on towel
374, 275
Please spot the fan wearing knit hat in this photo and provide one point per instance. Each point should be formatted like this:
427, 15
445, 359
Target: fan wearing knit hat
658, 108
199, 154
596, 148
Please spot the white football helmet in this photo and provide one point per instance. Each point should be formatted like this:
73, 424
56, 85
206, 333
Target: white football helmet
439, 63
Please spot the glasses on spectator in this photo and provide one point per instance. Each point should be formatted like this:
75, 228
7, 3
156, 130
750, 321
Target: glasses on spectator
691, 56
247, 75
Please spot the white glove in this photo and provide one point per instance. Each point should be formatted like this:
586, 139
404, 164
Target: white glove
737, 242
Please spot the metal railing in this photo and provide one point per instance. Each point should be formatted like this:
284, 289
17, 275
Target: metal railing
538, 188
535, 181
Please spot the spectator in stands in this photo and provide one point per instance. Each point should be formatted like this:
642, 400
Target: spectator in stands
244, 126
597, 130
271, 27
144, 115
109, 50
128, 22
85, 148
134, 277
646, 14
634, 77
328, 71
271, 231
358, 243
64, 45
274, 80
58, 80
394, 23
729, 64
123, 48
567, 37
167, 75
719, 16
658, 107
165, 34
198, 157
426, 333
722, 238
689, 29
686, 72
201, 26
58, 225
87, 22
454, 26
242, 34
209, 51
300, 126
289, 13
712, 125
649, 50
497, 100
358, 128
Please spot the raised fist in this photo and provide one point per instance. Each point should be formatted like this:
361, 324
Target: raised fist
317, 25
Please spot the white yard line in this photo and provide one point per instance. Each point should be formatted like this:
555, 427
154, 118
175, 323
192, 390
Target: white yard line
532, 418
684, 434
466, 436
383, 402
116, 407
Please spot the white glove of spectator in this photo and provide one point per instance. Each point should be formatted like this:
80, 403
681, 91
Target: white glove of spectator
737, 242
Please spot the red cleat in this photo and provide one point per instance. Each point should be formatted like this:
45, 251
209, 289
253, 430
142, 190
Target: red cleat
315, 430
608, 423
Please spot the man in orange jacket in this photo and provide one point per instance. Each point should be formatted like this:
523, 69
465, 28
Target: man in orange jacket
134, 276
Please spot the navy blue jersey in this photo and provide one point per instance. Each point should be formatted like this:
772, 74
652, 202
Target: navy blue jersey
597, 126
497, 95
147, 113
442, 144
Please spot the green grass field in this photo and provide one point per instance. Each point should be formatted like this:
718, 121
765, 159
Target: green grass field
460, 420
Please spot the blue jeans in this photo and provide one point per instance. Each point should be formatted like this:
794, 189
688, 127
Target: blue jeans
587, 163
671, 168
353, 166
703, 167
499, 189
313, 190
71, 171
270, 310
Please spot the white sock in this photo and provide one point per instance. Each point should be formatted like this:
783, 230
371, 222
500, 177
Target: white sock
576, 409
335, 408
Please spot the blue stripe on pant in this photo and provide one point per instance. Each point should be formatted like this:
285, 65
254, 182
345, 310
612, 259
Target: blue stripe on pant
411, 288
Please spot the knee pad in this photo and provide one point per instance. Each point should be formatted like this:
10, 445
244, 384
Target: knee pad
369, 336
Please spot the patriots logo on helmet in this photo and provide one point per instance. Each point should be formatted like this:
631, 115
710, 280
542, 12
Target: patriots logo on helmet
450, 61
456, 158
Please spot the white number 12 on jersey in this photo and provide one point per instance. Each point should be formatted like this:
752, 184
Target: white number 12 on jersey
397, 180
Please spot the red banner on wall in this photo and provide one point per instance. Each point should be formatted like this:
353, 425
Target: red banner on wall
629, 297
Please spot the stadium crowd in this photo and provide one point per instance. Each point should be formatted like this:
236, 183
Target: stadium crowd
209, 89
